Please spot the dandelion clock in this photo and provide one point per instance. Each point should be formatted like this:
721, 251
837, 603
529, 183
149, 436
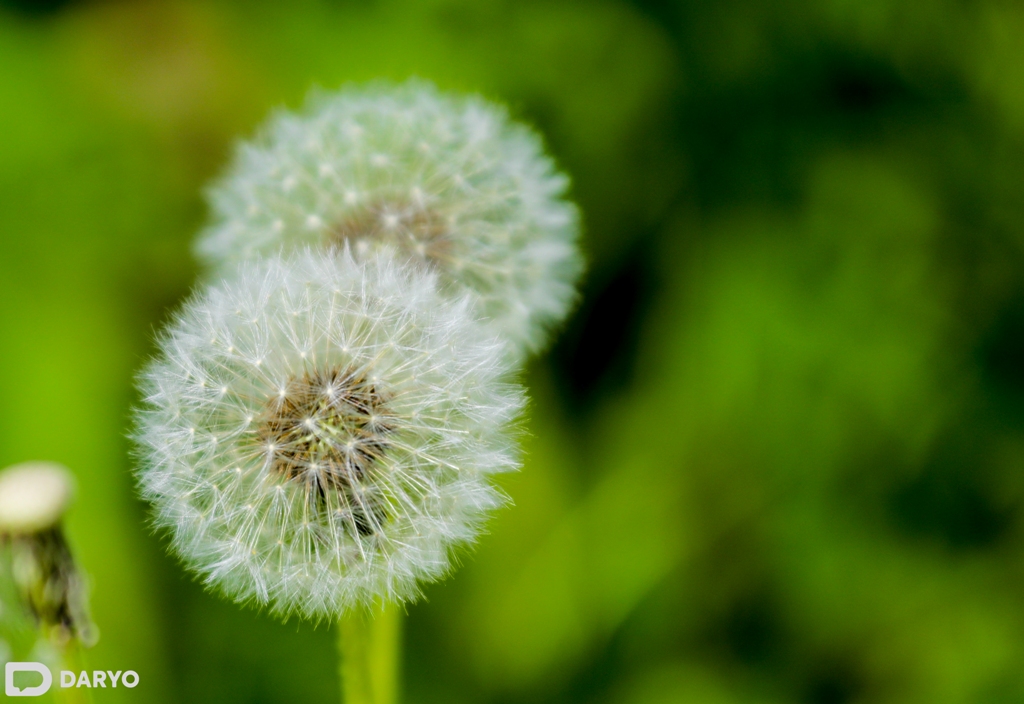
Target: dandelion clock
449, 181
318, 433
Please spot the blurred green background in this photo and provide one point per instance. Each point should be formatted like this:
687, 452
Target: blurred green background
777, 454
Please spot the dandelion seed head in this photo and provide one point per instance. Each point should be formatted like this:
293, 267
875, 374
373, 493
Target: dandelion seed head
352, 459
449, 180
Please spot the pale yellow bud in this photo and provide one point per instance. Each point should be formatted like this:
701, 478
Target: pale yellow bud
33, 496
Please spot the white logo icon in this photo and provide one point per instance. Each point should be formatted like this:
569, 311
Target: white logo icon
98, 678
36, 691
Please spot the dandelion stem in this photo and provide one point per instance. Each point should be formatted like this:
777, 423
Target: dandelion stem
369, 645
74, 660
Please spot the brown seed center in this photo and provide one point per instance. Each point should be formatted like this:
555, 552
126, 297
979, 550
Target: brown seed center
413, 228
328, 430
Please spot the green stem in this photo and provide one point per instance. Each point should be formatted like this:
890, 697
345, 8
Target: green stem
74, 660
369, 645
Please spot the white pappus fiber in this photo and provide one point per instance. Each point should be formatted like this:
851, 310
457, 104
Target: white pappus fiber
449, 180
318, 434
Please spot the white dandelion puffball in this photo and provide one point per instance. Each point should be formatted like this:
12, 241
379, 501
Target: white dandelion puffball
318, 434
448, 179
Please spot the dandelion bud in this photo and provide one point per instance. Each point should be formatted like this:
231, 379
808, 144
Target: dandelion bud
33, 498
318, 434
448, 180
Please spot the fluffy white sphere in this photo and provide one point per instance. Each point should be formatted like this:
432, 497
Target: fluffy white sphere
447, 179
318, 433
